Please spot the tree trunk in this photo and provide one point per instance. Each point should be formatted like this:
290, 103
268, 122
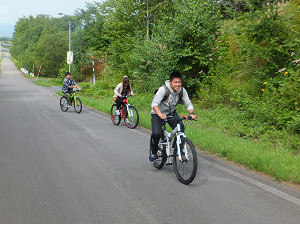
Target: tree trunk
147, 37
153, 24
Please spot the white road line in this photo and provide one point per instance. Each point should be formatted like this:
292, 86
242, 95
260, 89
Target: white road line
231, 172
254, 182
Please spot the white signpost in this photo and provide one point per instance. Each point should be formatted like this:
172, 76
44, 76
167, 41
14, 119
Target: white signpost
69, 57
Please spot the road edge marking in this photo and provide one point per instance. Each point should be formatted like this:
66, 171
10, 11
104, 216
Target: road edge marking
254, 182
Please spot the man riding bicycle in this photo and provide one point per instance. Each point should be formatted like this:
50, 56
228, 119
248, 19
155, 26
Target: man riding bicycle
163, 105
68, 86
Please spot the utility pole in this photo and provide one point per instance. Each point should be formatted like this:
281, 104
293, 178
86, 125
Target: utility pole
69, 38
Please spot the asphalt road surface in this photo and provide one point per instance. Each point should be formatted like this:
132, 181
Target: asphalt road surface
58, 167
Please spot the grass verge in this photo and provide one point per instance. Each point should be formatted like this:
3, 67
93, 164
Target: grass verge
46, 82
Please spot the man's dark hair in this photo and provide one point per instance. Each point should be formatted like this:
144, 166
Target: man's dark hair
68, 73
175, 74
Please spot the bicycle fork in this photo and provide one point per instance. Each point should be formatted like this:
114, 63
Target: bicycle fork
180, 143
129, 111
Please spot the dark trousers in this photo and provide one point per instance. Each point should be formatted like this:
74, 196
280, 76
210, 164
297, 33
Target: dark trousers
157, 131
68, 94
119, 101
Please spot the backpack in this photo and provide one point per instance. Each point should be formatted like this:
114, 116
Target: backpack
167, 94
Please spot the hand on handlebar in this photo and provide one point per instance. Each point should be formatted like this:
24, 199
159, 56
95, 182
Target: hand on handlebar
163, 116
125, 96
193, 117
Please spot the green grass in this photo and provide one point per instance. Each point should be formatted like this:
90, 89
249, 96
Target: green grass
29, 77
46, 82
42, 83
277, 162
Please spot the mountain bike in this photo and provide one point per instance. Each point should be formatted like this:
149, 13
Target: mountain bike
75, 101
175, 148
127, 111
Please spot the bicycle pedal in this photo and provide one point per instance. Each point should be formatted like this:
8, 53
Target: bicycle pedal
168, 164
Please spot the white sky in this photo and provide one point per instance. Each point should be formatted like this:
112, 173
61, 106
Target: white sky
11, 10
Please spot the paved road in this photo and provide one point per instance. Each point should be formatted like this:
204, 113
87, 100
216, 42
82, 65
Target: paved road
58, 167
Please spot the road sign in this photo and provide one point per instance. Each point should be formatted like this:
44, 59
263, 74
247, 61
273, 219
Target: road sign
69, 57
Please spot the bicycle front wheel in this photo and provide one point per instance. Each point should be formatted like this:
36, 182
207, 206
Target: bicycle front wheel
186, 168
131, 117
77, 105
63, 104
116, 119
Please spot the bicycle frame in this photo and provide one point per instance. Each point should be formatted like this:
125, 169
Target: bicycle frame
74, 96
126, 106
169, 136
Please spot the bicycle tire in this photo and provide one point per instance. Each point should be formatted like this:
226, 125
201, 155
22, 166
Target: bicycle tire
161, 154
77, 108
131, 123
63, 104
115, 119
193, 159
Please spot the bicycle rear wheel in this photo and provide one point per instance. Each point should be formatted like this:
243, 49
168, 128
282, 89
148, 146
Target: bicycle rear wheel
185, 170
63, 104
114, 118
161, 155
77, 105
131, 117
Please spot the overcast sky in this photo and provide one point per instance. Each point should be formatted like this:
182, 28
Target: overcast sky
11, 10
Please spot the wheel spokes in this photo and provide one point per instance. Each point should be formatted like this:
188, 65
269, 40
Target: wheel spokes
185, 167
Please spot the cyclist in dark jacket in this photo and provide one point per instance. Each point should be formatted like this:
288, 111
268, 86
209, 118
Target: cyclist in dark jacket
68, 86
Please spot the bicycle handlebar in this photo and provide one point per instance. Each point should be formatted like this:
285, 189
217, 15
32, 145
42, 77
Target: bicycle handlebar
184, 117
125, 96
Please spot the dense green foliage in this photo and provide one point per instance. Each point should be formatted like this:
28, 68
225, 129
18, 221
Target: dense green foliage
241, 56
40, 40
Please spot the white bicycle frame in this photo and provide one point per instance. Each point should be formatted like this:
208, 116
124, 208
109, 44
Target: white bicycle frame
169, 136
